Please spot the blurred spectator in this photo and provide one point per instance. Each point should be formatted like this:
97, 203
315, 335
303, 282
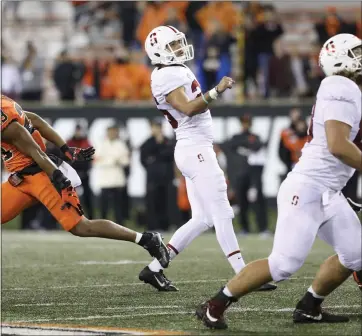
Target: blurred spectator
156, 13
195, 33
293, 140
183, 200
128, 15
67, 74
314, 74
264, 34
224, 12
281, 78
217, 59
10, 78
157, 159
297, 67
80, 140
243, 181
127, 78
32, 73
284, 152
331, 25
112, 157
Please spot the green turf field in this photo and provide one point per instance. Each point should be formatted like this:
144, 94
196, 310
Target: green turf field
62, 280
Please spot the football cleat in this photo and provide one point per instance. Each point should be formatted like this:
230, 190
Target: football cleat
157, 280
211, 313
157, 249
303, 315
267, 287
357, 276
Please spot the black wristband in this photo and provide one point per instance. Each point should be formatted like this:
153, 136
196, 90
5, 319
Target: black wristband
64, 148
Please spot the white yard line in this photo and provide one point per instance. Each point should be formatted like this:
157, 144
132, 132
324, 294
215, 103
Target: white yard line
48, 304
181, 312
130, 284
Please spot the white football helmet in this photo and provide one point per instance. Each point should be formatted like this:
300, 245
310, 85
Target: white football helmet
341, 52
158, 47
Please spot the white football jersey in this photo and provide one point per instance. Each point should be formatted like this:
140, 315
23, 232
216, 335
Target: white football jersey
189, 130
338, 98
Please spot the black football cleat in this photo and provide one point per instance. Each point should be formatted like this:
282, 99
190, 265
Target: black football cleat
156, 248
157, 280
357, 276
203, 314
267, 287
315, 315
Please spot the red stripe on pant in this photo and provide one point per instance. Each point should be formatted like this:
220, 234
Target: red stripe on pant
233, 253
172, 248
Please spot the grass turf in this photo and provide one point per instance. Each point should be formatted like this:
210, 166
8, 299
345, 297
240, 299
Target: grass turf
56, 278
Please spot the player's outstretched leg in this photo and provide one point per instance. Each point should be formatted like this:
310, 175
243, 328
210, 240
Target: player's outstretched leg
330, 276
103, 228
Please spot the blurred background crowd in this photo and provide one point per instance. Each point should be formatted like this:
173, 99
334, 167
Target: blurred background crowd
93, 50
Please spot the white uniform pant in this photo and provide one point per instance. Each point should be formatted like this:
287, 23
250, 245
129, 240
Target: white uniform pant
306, 210
205, 182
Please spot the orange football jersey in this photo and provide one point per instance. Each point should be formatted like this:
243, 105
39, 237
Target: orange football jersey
13, 159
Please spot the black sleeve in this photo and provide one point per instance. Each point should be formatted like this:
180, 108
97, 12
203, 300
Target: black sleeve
255, 145
284, 154
144, 154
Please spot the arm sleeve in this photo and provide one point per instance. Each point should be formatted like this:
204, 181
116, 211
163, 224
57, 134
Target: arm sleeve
339, 97
343, 111
168, 80
124, 154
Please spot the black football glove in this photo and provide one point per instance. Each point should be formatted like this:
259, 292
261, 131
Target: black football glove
77, 154
66, 191
355, 206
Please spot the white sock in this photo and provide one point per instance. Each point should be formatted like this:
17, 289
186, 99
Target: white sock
155, 266
237, 262
227, 292
311, 290
180, 239
229, 244
138, 237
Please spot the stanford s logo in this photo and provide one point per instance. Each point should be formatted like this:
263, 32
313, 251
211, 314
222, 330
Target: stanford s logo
200, 157
153, 39
295, 200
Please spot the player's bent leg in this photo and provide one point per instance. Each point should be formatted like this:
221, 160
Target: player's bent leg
336, 269
153, 273
13, 202
296, 229
40, 187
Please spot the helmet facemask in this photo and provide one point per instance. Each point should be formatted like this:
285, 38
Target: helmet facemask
182, 53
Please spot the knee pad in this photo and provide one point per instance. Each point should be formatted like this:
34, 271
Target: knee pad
351, 261
218, 205
282, 267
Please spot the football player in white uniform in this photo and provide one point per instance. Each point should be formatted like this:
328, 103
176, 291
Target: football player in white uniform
179, 97
310, 202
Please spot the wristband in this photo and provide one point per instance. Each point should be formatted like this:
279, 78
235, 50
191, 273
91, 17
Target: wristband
203, 97
64, 148
213, 93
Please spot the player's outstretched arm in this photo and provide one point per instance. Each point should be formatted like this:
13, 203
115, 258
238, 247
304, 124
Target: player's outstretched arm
18, 136
340, 146
179, 100
49, 133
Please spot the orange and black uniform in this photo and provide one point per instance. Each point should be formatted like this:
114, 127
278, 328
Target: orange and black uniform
35, 187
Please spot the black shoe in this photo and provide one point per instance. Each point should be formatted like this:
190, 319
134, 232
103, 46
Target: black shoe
357, 276
267, 287
203, 314
156, 248
316, 315
157, 280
